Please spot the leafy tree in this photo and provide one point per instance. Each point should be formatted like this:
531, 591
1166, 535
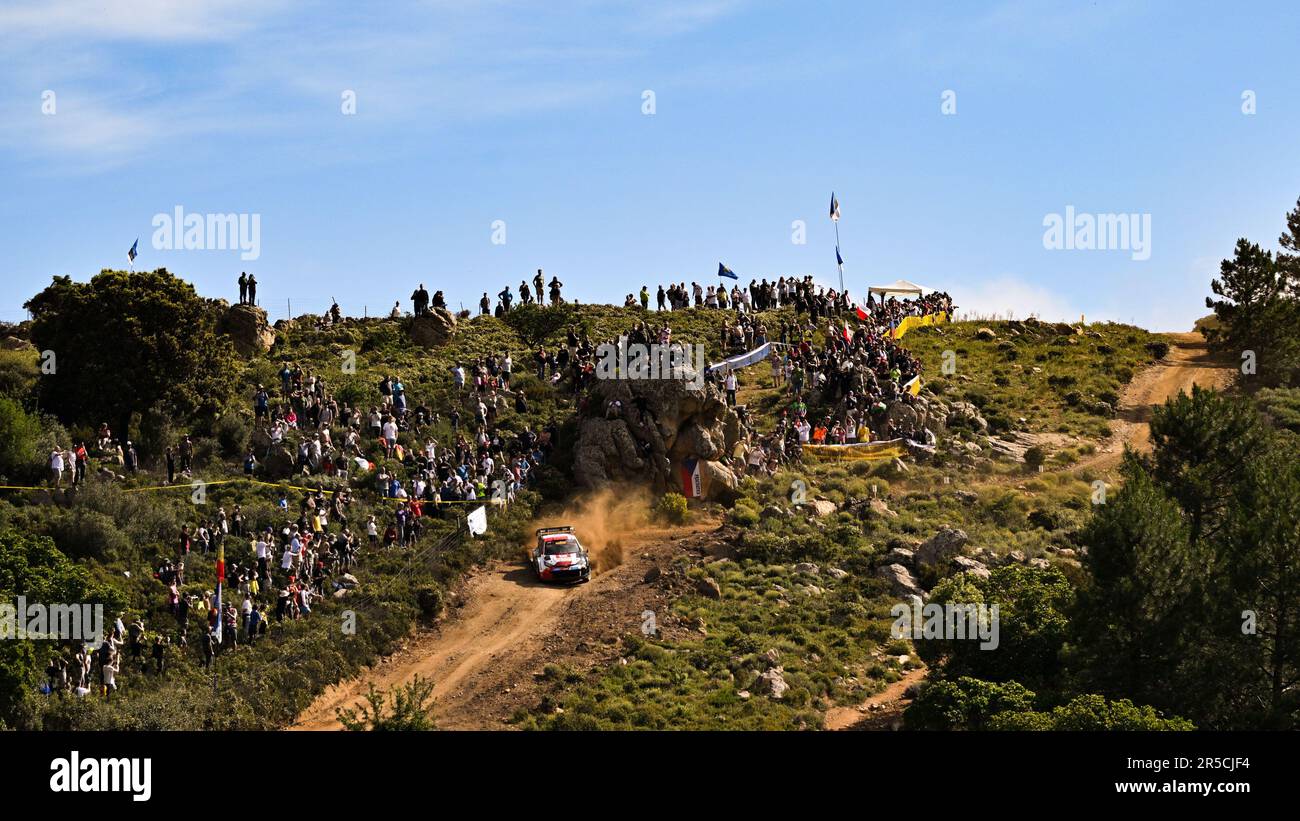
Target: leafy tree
18, 373
965, 703
123, 342
1090, 713
33, 567
1032, 625
18, 435
536, 323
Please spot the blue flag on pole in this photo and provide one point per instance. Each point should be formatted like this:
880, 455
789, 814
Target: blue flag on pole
130, 255
839, 260
724, 271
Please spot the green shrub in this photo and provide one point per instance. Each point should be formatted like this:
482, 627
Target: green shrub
18, 441
672, 508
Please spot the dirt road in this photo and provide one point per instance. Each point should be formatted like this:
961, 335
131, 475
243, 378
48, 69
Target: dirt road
1188, 363
484, 658
879, 712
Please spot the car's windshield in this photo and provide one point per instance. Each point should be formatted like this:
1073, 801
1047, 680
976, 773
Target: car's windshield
566, 545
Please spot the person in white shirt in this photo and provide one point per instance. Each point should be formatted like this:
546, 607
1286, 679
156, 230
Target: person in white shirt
730, 384
56, 467
804, 429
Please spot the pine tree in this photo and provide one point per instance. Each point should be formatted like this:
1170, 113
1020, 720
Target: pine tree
1259, 305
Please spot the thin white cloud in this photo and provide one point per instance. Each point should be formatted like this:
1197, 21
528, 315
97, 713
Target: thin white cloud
1009, 297
138, 20
228, 65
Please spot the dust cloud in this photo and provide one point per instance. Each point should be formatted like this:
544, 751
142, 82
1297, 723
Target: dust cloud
603, 520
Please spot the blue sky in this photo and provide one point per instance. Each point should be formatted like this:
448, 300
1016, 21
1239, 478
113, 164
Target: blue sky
530, 113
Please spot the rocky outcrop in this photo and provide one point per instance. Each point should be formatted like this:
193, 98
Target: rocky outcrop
247, 327
432, 329
965, 564
965, 414
822, 508
901, 582
1013, 444
941, 548
771, 683
644, 430
13, 343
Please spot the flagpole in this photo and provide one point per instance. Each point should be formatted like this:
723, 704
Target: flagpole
838, 254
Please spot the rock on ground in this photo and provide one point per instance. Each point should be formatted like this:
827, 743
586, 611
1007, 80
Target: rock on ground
248, 329
432, 329
901, 582
940, 548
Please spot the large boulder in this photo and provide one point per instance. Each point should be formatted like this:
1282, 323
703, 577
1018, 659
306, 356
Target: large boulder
13, 343
1012, 445
718, 482
279, 463
965, 564
821, 508
941, 548
901, 582
432, 329
660, 424
771, 683
247, 327
606, 452
904, 416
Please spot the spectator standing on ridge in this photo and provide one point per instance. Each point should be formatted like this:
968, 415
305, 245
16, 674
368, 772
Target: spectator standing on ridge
539, 282
243, 288
252, 290
56, 467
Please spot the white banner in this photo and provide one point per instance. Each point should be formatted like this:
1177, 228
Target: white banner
477, 521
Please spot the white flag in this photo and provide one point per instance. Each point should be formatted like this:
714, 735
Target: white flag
477, 521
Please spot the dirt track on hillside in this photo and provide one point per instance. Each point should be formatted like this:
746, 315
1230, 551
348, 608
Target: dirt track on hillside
485, 656
1189, 362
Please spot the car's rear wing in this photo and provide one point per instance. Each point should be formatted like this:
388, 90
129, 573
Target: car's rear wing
542, 531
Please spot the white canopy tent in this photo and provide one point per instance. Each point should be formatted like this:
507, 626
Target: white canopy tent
899, 288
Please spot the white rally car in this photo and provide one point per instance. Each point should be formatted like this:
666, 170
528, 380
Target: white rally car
559, 556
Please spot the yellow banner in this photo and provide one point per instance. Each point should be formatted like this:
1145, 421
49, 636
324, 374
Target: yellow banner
889, 449
910, 322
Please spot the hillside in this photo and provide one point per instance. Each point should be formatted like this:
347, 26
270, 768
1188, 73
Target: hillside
769, 611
